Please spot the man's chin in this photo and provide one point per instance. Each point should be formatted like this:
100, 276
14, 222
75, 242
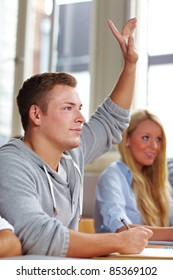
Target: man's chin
75, 144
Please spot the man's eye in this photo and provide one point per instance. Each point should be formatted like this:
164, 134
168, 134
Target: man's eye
67, 108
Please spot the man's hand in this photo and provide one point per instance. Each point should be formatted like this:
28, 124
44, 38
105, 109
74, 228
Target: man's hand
134, 240
126, 40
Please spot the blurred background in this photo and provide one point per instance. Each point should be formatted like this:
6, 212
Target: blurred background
50, 35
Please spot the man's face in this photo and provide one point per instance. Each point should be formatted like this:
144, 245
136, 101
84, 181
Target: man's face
62, 123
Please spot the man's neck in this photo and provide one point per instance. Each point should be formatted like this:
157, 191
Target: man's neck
46, 151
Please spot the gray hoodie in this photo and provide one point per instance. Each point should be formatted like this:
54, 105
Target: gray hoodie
37, 201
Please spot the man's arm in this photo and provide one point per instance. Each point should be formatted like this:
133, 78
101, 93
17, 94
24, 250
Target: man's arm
85, 245
122, 93
9, 244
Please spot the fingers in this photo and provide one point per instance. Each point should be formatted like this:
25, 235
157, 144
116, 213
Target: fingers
126, 40
126, 32
112, 26
148, 231
129, 27
114, 30
134, 240
121, 40
141, 238
133, 56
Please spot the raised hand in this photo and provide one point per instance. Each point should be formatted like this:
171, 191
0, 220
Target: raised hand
125, 39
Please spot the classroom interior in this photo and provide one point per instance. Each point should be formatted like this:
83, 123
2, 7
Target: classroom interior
50, 35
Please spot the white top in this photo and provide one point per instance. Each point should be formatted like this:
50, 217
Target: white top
5, 225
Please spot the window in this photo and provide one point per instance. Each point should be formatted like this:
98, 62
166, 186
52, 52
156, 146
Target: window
160, 64
7, 63
73, 42
45, 35
155, 87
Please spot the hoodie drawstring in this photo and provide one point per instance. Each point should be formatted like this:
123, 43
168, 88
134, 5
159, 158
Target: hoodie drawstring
51, 191
81, 182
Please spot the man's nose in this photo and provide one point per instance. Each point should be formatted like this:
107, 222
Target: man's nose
80, 117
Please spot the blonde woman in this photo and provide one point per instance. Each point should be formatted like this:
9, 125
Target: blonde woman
136, 187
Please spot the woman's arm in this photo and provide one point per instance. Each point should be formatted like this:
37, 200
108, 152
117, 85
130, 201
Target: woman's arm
159, 233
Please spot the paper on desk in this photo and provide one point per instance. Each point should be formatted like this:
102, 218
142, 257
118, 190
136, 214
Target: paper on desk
148, 253
157, 252
158, 242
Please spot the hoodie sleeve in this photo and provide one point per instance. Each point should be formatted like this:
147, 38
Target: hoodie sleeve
104, 128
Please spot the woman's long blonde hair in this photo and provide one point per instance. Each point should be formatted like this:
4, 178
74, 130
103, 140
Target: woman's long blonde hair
151, 184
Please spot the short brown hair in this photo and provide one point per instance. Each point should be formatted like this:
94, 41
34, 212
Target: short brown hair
35, 90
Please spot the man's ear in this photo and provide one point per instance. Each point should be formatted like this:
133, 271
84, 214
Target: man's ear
34, 114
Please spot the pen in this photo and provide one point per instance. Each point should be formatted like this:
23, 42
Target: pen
124, 222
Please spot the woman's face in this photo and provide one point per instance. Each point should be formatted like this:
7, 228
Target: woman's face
145, 143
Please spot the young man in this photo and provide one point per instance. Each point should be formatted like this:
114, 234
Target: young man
9, 243
41, 174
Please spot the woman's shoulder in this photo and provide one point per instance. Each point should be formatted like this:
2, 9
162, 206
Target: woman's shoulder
119, 165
